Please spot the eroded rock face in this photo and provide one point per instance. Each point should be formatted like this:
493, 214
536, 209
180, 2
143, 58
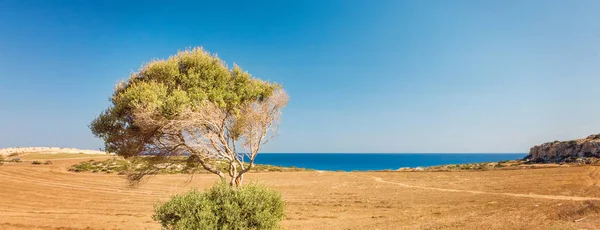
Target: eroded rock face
565, 151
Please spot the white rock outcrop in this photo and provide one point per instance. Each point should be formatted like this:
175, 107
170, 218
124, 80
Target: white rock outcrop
566, 151
49, 150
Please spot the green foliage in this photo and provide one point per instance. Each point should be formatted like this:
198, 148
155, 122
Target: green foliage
166, 87
82, 167
274, 168
468, 167
175, 165
222, 207
108, 166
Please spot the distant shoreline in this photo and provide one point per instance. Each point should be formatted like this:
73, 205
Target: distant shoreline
378, 161
334, 161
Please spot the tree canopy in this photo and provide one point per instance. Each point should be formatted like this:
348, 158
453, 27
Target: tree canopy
192, 105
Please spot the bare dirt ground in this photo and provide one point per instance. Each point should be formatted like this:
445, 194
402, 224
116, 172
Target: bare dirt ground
50, 197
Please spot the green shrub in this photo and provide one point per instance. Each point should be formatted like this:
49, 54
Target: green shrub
122, 166
36, 163
83, 166
222, 207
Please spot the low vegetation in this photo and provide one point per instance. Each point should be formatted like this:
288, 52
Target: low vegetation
469, 166
109, 166
46, 156
578, 211
15, 160
39, 163
252, 206
503, 165
174, 166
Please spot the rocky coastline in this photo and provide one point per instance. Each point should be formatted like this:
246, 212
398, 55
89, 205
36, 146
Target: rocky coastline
579, 150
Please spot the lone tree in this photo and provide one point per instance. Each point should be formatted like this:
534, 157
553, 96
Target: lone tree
194, 107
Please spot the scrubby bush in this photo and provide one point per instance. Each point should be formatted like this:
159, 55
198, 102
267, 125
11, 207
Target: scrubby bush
13, 155
83, 166
36, 163
175, 166
252, 206
109, 165
16, 160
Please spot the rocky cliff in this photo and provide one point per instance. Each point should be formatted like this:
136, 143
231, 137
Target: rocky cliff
565, 151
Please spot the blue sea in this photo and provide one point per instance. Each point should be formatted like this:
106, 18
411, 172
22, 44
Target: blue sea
377, 161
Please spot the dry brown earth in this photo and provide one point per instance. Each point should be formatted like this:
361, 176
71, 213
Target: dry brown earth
50, 197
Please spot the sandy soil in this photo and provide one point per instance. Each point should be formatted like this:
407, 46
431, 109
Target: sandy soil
50, 197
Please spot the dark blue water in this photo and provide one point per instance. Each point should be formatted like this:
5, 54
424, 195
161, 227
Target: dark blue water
376, 161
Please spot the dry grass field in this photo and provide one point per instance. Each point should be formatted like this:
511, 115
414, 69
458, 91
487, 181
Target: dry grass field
51, 197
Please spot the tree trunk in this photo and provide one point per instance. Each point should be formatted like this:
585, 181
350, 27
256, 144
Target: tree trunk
238, 180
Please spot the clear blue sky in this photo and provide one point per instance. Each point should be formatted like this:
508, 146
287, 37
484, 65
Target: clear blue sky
363, 76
